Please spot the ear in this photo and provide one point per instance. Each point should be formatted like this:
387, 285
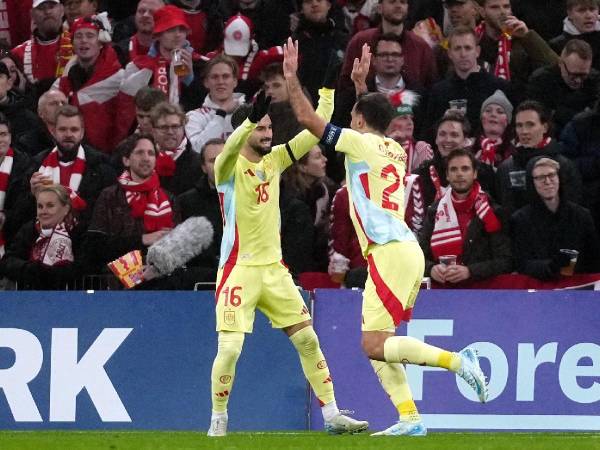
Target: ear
478, 50
125, 161
475, 174
546, 126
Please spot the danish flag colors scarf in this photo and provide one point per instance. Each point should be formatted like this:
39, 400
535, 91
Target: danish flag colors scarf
446, 238
53, 247
51, 168
502, 67
5, 170
165, 160
149, 201
489, 147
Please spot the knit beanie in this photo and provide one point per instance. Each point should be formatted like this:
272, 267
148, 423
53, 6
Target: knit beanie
498, 98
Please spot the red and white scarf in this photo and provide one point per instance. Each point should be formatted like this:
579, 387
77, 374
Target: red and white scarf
446, 238
51, 168
487, 154
5, 171
543, 143
148, 201
136, 49
53, 247
502, 67
165, 159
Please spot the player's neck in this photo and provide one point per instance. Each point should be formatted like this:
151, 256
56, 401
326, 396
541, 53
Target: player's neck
251, 155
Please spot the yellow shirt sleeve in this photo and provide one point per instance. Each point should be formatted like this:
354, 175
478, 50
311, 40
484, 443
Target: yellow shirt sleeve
225, 162
302, 143
352, 143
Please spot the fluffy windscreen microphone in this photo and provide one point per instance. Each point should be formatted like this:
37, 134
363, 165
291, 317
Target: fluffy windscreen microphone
186, 241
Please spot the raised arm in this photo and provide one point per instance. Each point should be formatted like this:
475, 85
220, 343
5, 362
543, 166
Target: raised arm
225, 162
301, 105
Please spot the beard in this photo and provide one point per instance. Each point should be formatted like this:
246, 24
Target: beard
262, 147
68, 151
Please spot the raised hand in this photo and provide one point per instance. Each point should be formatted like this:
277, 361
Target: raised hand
260, 107
290, 58
360, 70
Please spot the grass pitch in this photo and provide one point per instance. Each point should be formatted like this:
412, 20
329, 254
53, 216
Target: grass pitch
156, 440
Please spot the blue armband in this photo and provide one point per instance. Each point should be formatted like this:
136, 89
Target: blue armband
331, 135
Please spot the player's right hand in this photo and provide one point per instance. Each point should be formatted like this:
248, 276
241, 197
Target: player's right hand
260, 107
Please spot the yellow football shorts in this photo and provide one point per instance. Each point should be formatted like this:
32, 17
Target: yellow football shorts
395, 274
270, 288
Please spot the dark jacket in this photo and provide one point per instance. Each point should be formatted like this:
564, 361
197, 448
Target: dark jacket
544, 16
113, 231
511, 176
22, 120
16, 264
15, 208
563, 101
98, 175
202, 200
187, 172
538, 234
485, 254
477, 87
316, 43
36, 141
527, 54
285, 124
593, 38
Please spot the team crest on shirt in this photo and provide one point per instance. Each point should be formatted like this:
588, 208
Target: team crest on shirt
229, 317
261, 175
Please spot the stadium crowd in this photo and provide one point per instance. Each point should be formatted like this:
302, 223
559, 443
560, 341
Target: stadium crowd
112, 115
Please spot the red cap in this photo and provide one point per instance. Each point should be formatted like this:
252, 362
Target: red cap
169, 17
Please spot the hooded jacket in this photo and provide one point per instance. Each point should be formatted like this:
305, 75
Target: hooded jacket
538, 233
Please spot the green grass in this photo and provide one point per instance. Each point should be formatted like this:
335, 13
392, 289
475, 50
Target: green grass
139, 440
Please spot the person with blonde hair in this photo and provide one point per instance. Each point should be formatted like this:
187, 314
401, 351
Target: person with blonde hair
43, 253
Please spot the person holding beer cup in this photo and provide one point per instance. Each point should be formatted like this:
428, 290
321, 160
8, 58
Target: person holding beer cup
553, 237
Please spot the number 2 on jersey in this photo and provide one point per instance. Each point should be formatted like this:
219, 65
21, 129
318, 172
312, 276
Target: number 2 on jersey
390, 169
231, 298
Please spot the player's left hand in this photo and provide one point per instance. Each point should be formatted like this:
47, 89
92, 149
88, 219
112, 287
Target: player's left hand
457, 273
290, 58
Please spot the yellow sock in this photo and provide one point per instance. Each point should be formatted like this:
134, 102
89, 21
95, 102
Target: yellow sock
393, 379
406, 349
314, 364
223, 369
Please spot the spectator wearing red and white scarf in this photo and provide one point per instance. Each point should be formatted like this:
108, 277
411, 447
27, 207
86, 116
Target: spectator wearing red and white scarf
493, 145
46, 252
37, 56
135, 212
463, 223
77, 167
509, 48
177, 164
138, 45
13, 183
92, 79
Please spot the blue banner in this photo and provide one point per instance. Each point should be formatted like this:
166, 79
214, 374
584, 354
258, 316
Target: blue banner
541, 351
136, 360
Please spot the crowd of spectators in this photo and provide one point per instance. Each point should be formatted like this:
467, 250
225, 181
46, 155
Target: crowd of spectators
112, 115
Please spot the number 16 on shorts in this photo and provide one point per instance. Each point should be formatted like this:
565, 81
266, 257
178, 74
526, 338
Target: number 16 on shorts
232, 298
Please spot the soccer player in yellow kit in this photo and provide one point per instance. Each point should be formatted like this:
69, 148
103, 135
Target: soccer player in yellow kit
251, 273
375, 169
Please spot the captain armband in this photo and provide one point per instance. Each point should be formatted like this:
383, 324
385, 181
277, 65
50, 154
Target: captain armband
331, 135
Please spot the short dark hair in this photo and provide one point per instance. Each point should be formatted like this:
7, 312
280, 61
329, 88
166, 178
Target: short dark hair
213, 141
128, 145
579, 47
462, 31
585, 3
459, 152
387, 37
376, 109
148, 97
533, 105
240, 114
271, 71
69, 111
221, 59
458, 117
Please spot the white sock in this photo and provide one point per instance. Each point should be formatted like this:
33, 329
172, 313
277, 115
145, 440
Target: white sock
218, 415
329, 411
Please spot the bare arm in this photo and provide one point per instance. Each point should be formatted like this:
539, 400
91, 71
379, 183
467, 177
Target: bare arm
301, 105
